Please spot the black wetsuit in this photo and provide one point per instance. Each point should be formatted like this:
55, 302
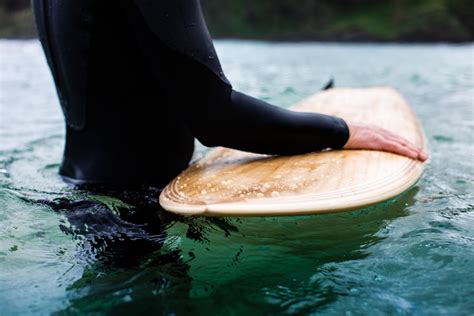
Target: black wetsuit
138, 80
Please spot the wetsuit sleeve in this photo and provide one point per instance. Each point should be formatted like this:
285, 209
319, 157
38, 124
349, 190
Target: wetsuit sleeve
252, 125
179, 53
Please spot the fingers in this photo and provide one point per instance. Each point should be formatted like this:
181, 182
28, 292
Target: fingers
398, 148
405, 148
377, 138
421, 155
404, 143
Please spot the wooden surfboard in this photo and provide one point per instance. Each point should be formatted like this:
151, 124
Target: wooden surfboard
228, 182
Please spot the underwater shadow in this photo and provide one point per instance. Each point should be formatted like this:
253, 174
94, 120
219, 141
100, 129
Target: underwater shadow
129, 266
282, 264
120, 237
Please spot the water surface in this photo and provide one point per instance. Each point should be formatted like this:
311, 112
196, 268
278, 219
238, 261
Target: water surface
65, 251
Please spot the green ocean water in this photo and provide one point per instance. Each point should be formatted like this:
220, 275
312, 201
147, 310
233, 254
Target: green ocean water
69, 252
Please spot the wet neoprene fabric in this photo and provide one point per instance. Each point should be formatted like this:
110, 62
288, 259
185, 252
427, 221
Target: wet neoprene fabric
139, 80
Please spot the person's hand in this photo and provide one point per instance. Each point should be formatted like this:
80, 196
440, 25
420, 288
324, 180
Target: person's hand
376, 138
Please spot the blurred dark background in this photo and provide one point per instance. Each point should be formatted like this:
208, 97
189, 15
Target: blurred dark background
327, 20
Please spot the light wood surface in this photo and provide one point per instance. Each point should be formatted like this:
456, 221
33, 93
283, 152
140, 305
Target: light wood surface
228, 182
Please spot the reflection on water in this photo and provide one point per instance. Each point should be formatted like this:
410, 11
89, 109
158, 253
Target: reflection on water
125, 240
122, 243
65, 250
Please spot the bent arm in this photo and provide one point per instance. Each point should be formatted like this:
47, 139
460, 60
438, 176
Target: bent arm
179, 53
249, 124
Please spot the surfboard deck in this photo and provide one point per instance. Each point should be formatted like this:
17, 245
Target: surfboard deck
229, 182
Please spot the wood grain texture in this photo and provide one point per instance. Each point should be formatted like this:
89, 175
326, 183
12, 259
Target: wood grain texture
228, 182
